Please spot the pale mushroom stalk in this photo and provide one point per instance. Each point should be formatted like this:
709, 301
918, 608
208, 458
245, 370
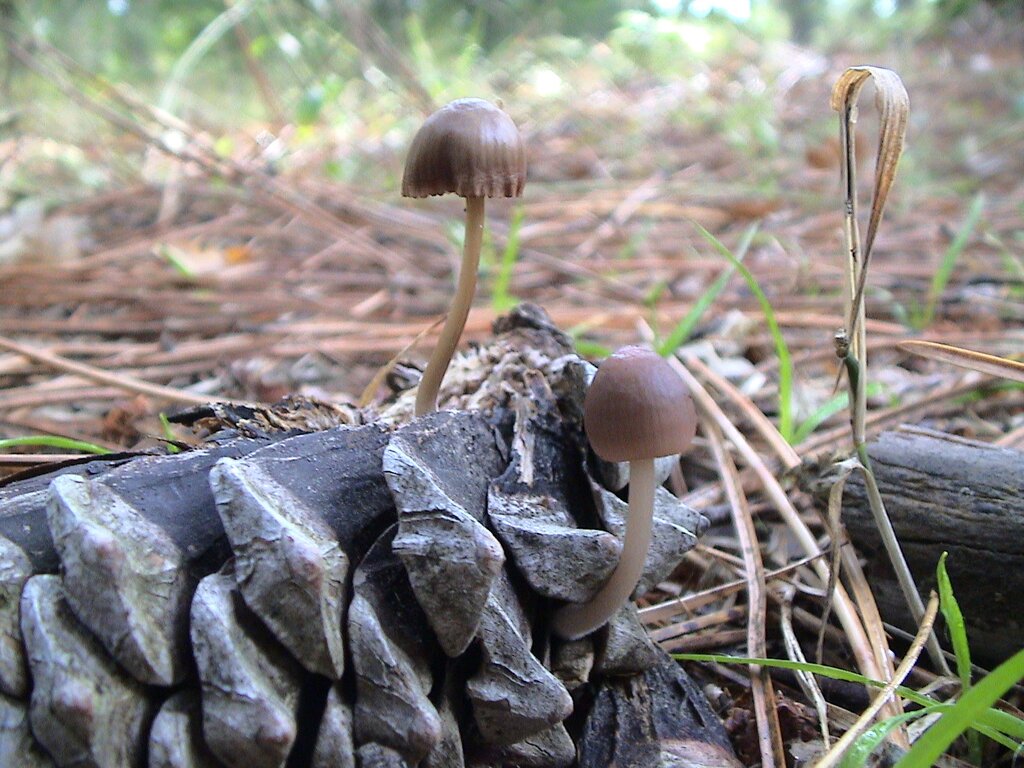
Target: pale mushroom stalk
426, 395
576, 620
472, 148
636, 409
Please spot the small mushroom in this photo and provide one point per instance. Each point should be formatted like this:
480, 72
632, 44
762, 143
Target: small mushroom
636, 409
472, 148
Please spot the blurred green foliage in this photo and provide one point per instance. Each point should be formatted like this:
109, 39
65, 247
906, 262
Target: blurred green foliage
360, 74
139, 42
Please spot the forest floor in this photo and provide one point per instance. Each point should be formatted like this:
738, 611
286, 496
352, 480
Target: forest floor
246, 275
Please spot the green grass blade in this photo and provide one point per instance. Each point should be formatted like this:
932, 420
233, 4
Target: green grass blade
53, 441
800, 666
962, 651
175, 261
826, 410
872, 738
781, 349
992, 723
1005, 723
945, 271
591, 349
168, 430
954, 624
965, 713
501, 299
684, 328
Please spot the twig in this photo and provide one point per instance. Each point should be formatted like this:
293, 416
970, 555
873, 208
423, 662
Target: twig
100, 376
692, 602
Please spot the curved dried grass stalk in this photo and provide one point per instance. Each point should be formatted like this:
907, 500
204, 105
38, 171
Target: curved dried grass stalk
893, 104
840, 747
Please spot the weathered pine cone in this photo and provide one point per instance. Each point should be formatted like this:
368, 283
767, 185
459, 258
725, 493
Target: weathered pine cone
367, 594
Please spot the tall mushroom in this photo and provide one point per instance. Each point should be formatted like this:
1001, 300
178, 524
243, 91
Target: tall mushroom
472, 148
636, 409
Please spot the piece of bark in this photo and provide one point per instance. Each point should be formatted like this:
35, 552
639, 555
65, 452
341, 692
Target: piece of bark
334, 747
512, 695
298, 512
15, 569
945, 494
250, 685
658, 718
18, 748
176, 738
85, 710
531, 506
391, 657
450, 557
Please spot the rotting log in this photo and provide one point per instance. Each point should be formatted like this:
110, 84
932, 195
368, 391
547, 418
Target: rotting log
376, 592
944, 494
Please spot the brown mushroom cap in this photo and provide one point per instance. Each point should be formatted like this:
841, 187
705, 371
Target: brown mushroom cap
469, 147
637, 407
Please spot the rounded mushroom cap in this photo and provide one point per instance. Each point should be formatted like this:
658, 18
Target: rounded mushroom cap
469, 147
637, 407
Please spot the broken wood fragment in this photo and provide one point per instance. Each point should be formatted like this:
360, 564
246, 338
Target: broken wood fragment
944, 494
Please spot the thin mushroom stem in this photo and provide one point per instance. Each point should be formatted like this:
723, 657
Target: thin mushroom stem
426, 395
575, 621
